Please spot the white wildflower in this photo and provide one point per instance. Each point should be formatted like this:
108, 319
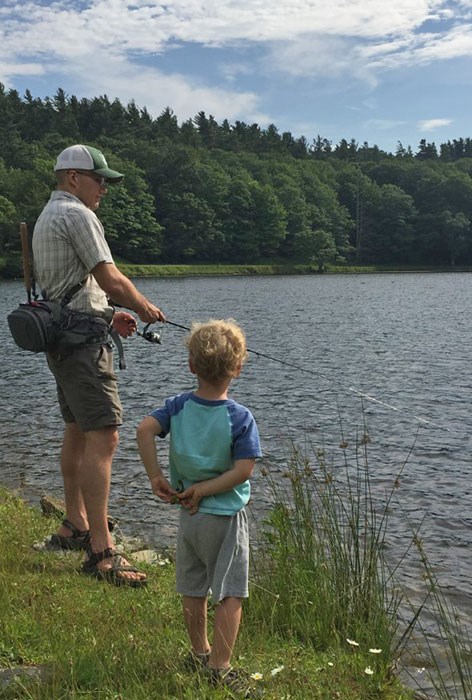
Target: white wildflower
368, 671
277, 670
257, 676
352, 642
375, 651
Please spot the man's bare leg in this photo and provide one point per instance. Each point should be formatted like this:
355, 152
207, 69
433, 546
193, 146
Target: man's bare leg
73, 446
86, 462
95, 478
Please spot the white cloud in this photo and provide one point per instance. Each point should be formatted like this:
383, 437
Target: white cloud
150, 25
432, 124
13, 68
383, 124
318, 55
98, 45
155, 90
457, 43
232, 71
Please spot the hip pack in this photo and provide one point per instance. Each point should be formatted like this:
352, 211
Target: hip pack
40, 326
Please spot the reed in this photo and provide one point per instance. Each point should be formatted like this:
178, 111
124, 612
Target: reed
450, 670
321, 557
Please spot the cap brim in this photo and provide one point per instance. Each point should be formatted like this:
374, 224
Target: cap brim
109, 175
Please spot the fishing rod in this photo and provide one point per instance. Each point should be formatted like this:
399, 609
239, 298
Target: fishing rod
254, 352
155, 337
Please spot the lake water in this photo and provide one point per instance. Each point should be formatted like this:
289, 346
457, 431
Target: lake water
402, 339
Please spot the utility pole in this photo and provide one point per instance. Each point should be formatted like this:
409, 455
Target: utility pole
358, 217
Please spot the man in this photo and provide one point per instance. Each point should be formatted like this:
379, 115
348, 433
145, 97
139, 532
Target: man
71, 256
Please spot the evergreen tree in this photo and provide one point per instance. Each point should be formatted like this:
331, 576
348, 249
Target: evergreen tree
236, 192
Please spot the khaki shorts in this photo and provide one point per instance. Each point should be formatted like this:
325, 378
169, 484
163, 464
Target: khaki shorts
87, 387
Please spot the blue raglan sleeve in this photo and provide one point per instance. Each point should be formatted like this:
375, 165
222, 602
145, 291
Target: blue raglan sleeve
171, 407
246, 442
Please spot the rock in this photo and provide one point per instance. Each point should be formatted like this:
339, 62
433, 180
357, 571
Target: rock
52, 507
55, 508
21, 674
149, 556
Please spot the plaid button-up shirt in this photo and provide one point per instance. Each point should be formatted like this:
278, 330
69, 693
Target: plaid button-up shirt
68, 242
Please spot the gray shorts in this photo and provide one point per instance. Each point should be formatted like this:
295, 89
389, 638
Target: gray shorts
87, 387
212, 555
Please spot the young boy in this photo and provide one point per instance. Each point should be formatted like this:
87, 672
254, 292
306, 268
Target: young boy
214, 443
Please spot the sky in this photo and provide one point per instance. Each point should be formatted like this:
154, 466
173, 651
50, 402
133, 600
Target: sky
376, 71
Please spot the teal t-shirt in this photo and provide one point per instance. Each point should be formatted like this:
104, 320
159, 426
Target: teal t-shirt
206, 437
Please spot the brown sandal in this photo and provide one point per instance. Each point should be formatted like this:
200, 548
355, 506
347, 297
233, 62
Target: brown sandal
112, 574
80, 539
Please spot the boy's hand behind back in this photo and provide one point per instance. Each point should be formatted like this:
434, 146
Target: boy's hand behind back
241, 471
161, 488
191, 497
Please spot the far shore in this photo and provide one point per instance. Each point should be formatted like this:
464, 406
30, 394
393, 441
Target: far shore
11, 269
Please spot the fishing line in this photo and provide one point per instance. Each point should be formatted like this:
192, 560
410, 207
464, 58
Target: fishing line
148, 335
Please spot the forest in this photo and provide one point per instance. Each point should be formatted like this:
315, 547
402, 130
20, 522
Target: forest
204, 192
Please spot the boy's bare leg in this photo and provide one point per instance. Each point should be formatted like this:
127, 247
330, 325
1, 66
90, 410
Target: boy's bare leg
227, 620
195, 618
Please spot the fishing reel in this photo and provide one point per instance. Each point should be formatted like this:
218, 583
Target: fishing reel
150, 336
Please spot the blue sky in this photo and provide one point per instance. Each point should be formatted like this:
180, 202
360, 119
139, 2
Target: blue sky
379, 71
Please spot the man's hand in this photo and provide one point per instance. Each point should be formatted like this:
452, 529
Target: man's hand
150, 313
124, 324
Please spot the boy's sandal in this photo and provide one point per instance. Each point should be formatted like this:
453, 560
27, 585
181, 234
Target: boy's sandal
196, 661
232, 679
80, 539
114, 573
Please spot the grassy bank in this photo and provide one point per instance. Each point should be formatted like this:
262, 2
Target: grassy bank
11, 269
212, 270
268, 269
319, 624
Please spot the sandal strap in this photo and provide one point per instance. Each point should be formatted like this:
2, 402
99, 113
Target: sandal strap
75, 532
95, 557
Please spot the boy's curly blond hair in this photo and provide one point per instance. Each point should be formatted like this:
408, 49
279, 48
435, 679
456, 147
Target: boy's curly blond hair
217, 349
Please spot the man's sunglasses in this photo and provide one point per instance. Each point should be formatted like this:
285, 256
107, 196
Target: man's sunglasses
101, 181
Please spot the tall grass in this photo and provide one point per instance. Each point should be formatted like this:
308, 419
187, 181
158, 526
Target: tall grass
449, 672
321, 573
322, 576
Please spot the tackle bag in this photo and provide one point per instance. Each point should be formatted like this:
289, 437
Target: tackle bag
39, 326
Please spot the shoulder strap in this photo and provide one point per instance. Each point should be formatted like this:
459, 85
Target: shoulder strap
72, 292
